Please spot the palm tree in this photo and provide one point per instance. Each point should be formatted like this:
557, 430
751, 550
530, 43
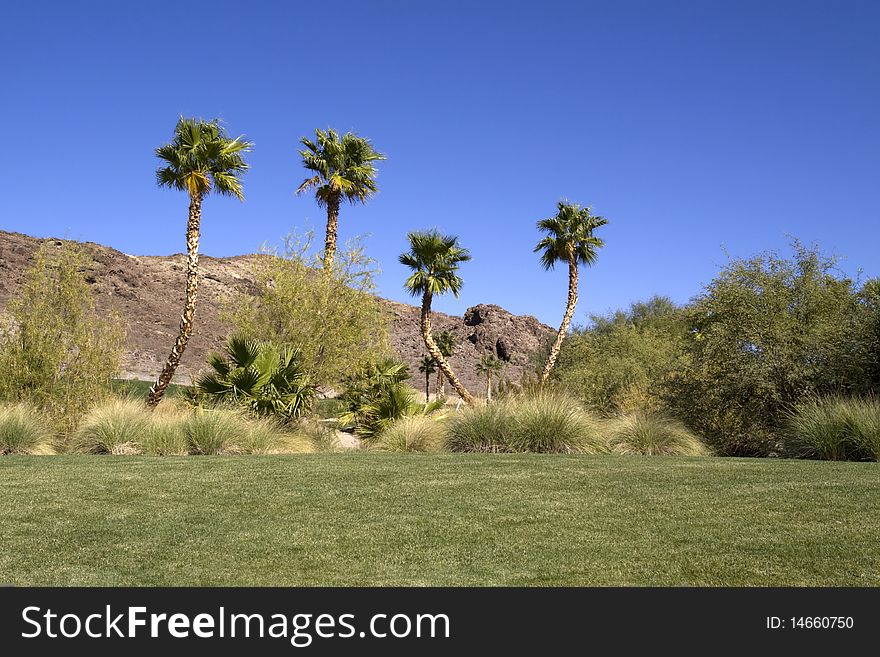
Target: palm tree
427, 367
259, 376
434, 260
569, 239
200, 159
488, 365
446, 343
343, 168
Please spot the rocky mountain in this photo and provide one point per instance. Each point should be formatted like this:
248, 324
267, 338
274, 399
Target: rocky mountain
148, 292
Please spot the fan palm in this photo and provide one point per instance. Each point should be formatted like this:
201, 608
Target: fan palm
488, 365
446, 343
259, 376
427, 366
569, 239
200, 159
434, 260
343, 169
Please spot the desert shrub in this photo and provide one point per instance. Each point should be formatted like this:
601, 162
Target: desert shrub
651, 435
56, 351
834, 429
621, 361
546, 421
116, 427
23, 431
766, 333
418, 433
551, 422
333, 320
315, 436
483, 428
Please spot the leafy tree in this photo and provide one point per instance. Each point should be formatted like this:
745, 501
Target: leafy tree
569, 239
767, 332
333, 320
428, 366
446, 343
56, 350
200, 159
489, 365
265, 379
622, 362
343, 169
434, 260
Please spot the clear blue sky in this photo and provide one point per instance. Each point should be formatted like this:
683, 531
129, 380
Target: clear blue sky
691, 126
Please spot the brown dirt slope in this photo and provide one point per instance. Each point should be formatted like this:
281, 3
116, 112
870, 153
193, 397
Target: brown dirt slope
148, 292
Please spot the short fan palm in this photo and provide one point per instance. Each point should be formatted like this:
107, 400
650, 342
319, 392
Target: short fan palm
259, 376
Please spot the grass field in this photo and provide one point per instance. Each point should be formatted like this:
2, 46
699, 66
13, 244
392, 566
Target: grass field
367, 519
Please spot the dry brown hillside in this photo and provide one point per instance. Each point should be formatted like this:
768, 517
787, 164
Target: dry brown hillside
148, 292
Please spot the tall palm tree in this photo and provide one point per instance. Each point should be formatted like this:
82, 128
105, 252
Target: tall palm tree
488, 365
427, 366
343, 169
446, 343
200, 159
569, 239
434, 260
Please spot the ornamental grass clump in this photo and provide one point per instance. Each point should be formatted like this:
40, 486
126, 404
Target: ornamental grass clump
649, 434
834, 429
22, 431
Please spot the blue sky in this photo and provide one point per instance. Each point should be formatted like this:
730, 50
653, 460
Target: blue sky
694, 127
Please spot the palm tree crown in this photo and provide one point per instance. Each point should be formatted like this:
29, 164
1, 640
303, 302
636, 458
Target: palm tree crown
343, 167
202, 158
488, 364
570, 234
434, 259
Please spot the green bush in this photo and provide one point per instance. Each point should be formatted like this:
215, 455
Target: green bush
652, 435
418, 433
166, 435
56, 351
544, 422
22, 431
834, 429
117, 427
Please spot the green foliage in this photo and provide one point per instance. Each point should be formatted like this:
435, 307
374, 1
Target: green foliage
416, 433
117, 427
834, 429
653, 435
56, 352
343, 167
434, 260
260, 377
622, 361
23, 431
488, 365
570, 236
766, 333
166, 433
376, 396
333, 320
546, 421
202, 158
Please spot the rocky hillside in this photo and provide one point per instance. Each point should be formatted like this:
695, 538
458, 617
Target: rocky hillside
148, 292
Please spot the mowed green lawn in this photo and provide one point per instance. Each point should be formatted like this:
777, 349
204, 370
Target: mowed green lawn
373, 519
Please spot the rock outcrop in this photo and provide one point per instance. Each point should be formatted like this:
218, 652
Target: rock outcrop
147, 291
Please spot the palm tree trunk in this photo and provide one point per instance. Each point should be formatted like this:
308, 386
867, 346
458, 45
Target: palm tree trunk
427, 387
441, 383
332, 224
434, 350
566, 319
157, 391
488, 387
